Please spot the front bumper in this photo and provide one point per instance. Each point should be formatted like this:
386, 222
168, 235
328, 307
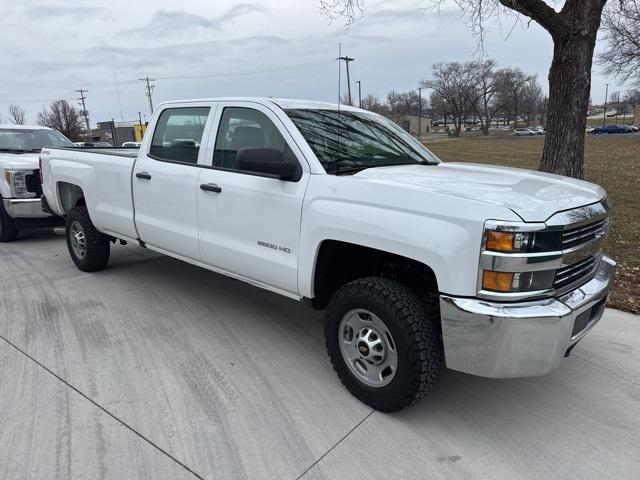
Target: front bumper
521, 339
24, 208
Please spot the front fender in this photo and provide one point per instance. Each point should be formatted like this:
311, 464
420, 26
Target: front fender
450, 249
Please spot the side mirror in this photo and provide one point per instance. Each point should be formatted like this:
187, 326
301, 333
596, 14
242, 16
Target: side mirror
268, 161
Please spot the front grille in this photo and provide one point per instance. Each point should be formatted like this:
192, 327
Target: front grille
573, 274
583, 234
33, 183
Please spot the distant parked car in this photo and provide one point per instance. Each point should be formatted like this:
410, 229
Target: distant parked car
611, 129
92, 144
635, 128
523, 131
131, 144
539, 130
589, 129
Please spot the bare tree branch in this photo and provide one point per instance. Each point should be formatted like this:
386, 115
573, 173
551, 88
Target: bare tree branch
17, 114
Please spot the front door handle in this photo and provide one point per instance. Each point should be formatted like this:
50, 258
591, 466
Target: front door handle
210, 187
143, 175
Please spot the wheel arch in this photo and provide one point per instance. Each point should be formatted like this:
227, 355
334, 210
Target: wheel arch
339, 262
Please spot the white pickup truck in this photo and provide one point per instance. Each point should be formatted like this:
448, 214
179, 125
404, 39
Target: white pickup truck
493, 271
20, 188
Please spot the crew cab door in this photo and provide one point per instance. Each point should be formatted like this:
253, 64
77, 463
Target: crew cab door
165, 181
250, 223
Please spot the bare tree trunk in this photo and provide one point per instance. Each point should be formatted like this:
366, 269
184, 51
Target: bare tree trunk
569, 88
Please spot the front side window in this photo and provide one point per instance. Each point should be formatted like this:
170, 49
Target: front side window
348, 142
26, 140
242, 128
178, 134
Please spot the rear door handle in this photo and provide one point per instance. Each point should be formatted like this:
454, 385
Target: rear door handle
143, 175
210, 187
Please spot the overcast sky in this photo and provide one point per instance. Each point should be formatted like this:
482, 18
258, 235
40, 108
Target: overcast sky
193, 48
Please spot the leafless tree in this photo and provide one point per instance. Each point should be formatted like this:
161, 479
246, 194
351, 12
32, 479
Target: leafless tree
621, 22
404, 103
487, 103
454, 82
63, 117
17, 114
373, 104
573, 30
632, 97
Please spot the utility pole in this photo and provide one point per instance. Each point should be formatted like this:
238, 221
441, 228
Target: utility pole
604, 115
140, 120
84, 110
348, 59
148, 89
419, 112
359, 93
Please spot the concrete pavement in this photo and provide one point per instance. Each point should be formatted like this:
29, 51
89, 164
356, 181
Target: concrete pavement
157, 369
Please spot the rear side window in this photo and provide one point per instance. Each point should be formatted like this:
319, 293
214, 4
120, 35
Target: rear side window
178, 134
245, 128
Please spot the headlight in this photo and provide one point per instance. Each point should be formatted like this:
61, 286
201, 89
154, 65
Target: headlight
521, 242
509, 241
18, 183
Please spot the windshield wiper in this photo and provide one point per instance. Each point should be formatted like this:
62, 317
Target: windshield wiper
19, 150
355, 169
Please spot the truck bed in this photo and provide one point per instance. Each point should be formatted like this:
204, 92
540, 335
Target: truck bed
103, 175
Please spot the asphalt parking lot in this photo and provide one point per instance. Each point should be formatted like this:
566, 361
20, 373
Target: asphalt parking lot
157, 369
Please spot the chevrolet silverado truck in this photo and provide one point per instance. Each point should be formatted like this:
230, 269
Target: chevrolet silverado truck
419, 263
20, 188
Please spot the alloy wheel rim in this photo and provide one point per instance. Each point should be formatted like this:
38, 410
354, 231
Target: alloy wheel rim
78, 240
368, 348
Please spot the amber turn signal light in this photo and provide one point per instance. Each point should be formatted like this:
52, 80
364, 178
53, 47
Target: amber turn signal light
500, 241
497, 281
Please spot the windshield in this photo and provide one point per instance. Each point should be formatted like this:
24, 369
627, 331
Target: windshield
25, 140
347, 142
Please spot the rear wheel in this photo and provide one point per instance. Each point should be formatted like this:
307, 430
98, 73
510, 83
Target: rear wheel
8, 229
384, 342
89, 249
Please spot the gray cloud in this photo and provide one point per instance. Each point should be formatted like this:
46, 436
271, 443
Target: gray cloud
175, 22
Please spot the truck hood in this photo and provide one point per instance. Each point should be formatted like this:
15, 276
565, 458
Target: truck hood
533, 196
19, 161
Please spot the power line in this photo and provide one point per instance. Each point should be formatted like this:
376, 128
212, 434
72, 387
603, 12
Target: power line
243, 74
148, 88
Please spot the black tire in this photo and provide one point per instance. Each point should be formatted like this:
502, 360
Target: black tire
97, 246
415, 327
8, 229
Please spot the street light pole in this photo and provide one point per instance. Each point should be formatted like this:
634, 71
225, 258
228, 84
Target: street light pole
604, 115
419, 111
348, 59
359, 93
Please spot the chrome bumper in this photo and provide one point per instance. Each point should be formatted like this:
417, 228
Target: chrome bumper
520, 339
24, 208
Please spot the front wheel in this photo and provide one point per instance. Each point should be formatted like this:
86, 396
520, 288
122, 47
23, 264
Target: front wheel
384, 342
8, 229
89, 249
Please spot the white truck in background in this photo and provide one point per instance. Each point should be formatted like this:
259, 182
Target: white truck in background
20, 188
419, 264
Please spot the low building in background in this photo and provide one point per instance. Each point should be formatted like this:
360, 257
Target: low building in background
411, 123
116, 133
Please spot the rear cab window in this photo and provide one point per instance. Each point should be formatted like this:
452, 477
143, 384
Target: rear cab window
178, 134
